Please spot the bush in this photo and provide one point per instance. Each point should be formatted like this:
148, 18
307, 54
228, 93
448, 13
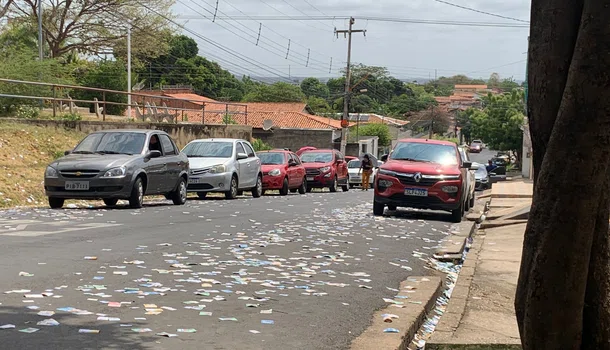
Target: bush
73, 117
259, 145
27, 112
443, 138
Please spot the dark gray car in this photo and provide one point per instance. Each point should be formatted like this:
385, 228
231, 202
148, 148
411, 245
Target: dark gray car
119, 164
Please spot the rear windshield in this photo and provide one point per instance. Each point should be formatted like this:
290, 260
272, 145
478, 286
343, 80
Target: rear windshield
425, 152
317, 157
272, 158
209, 150
353, 164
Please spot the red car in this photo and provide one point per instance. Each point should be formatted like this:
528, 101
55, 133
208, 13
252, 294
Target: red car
475, 147
283, 171
423, 174
325, 168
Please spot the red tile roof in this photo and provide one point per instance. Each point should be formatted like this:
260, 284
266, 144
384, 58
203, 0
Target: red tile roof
286, 120
478, 87
276, 106
191, 97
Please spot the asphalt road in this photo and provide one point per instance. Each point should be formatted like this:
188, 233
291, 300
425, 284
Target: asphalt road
320, 262
482, 157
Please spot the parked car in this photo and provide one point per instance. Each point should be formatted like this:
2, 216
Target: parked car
355, 175
470, 178
119, 164
228, 166
283, 171
325, 168
501, 159
483, 180
476, 146
424, 174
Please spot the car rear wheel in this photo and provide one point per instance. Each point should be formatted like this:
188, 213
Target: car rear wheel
56, 203
202, 195
345, 188
232, 192
136, 200
457, 214
351, 185
378, 208
179, 195
110, 202
257, 191
303, 187
333, 186
284, 189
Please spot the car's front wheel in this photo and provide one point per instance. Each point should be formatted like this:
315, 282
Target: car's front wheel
110, 202
56, 203
257, 191
457, 214
179, 195
471, 204
303, 188
232, 192
333, 185
284, 189
136, 200
378, 208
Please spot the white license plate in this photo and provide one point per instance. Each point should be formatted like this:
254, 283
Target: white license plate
310, 178
194, 180
418, 192
77, 185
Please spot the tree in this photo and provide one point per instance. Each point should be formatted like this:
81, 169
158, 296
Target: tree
417, 99
494, 80
508, 85
563, 291
312, 87
375, 129
5, 8
319, 105
105, 74
278, 92
93, 27
433, 117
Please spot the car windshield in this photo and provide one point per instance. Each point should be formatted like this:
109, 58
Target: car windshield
425, 152
317, 157
209, 150
353, 164
112, 143
481, 171
270, 158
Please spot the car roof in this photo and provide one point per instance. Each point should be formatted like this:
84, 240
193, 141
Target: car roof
219, 140
429, 141
275, 151
139, 131
319, 150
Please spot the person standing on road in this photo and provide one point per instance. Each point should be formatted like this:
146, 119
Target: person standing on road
366, 167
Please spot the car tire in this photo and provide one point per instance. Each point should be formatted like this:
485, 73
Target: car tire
472, 199
136, 199
345, 187
333, 186
392, 207
232, 193
458, 214
202, 195
378, 208
257, 191
294, 190
284, 189
309, 189
351, 185
303, 189
56, 203
110, 202
180, 194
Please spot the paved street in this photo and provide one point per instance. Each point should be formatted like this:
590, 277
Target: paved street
299, 272
482, 157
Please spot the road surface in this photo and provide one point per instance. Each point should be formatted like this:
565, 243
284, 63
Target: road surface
295, 272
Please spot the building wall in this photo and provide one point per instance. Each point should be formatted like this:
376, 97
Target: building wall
181, 133
295, 138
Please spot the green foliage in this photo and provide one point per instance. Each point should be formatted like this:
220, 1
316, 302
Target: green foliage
443, 138
72, 117
227, 119
259, 145
319, 105
380, 130
105, 74
312, 87
417, 99
278, 92
27, 112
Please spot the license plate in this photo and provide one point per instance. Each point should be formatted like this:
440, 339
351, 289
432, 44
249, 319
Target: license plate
418, 192
194, 180
310, 178
77, 185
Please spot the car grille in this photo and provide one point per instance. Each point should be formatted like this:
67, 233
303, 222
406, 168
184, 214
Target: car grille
312, 172
79, 174
200, 187
200, 171
423, 182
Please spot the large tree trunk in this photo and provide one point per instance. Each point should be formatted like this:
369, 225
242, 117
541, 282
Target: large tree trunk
563, 288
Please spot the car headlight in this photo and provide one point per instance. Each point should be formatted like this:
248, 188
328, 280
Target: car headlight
275, 172
385, 183
325, 169
50, 172
115, 172
217, 169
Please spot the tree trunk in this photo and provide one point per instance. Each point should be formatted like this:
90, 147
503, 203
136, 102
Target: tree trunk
564, 284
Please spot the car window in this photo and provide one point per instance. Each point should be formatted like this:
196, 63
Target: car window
166, 144
353, 164
154, 144
296, 158
240, 148
112, 143
272, 158
209, 150
425, 152
249, 150
317, 157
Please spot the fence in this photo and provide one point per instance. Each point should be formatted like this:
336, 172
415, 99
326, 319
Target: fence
155, 108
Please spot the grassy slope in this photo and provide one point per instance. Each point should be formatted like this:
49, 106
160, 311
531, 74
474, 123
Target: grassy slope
25, 152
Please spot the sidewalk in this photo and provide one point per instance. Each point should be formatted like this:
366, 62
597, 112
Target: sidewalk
481, 314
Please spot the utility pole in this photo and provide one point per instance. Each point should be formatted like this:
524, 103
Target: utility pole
345, 116
129, 71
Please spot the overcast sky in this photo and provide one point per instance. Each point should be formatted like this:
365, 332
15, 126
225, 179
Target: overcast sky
408, 50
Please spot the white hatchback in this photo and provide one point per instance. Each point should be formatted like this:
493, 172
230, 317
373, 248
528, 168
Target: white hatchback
355, 179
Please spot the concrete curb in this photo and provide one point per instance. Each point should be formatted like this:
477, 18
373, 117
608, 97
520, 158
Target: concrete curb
411, 316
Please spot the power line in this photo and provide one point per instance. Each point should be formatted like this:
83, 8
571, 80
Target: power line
299, 10
292, 17
479, 11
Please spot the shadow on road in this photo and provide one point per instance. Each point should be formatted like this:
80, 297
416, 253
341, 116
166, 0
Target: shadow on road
419, 215
66, 335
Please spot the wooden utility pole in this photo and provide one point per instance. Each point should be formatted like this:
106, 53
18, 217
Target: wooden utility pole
345, 116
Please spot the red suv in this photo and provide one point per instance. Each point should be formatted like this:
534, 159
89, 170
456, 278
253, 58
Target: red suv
423, 174
325, 168
283, 171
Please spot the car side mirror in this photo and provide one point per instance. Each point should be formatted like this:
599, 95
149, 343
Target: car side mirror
241, 156
467, 165
153, 154
67, 152
474, 167
384, 158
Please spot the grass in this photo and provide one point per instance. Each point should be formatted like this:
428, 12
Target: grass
25, 152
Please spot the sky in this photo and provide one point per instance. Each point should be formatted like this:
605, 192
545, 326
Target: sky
408, 50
